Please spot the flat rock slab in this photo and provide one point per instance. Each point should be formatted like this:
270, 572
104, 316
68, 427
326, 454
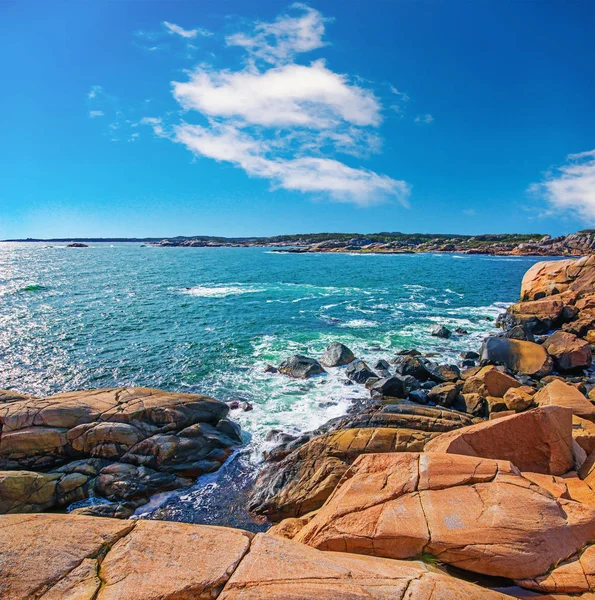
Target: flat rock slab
539, 440
278, 569
478, 514
68, 557
560, 393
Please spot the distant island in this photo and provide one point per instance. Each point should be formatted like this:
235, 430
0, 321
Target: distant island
530, 244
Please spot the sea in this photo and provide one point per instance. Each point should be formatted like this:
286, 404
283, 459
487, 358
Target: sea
209, 320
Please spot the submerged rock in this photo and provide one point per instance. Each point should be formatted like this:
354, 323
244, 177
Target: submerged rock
441, 332
300, 367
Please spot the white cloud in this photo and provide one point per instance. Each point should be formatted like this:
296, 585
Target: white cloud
96, 113
571, 187
279, 41
185, 33
306, 174
425, 119
401, 95
283, 121
290, 95
94, 91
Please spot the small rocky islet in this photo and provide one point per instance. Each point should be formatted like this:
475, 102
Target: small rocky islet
474, 480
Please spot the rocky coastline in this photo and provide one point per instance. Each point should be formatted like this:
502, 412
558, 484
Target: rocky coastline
576, 244
469, 480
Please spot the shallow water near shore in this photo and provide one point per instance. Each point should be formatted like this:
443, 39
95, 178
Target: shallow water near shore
208, 320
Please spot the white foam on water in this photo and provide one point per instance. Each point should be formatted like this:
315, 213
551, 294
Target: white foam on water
359, 323
220, 291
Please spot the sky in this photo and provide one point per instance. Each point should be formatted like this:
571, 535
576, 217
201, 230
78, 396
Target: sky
136, 118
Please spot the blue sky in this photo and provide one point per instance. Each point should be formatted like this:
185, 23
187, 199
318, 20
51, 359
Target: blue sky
136, 118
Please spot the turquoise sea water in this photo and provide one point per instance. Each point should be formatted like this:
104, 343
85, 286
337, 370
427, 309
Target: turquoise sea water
209, 320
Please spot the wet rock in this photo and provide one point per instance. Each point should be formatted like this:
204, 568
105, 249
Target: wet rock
461, 331
542, 440
441, 332
305, 478
444, 394
469, 355
419, 396
443, 373
472, 404
337, 354
413, 366
359, 372
270, 369
300, 367
568, 351
519, 332
382, 365
111, 510
390, 386
246, 406
520, 357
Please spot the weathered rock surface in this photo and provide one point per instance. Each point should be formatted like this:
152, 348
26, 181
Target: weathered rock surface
478, 514
152, 439
336, 354
300, 367
10, 396
555, 277
519, 398
489, 381
568, 351
539, 440
562, 394
525, 358
60, 557
305, 478
278, 569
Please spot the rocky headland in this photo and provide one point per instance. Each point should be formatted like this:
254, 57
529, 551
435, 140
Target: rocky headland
470, 480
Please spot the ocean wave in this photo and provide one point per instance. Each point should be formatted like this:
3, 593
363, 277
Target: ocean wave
220, 291
359, 323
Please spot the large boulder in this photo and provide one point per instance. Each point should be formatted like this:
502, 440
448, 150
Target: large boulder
68, 557
337, 354
489, 381
560, 393
568, 351
152, 438
555, 277
300, 367
539, 440
359, 372
301, 481
524, 358
392, 386
477, 514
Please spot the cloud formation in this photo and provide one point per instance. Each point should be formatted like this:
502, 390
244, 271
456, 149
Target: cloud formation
283, 120
425, 119
172, 28
571, 187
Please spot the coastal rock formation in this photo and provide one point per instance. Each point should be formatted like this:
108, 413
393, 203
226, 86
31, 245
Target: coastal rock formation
337, 354
300, 367
59, 557
562, 394
568, 351
539, 440
478, 514
297, 480
122, 443
524, 358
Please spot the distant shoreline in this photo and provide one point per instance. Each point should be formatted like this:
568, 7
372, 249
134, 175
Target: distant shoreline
576, 244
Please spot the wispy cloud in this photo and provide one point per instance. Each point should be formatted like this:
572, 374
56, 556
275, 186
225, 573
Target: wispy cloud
571, 186
96, 113
284, 121
172, 28
424, 119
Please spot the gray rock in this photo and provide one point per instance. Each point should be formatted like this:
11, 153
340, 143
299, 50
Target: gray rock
336, 355
300, 367
390, 386
359, 372
441, 332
